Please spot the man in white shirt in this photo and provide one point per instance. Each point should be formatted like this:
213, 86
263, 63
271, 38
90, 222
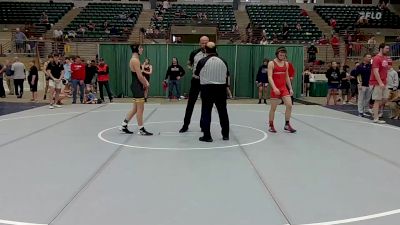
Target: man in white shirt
19, 76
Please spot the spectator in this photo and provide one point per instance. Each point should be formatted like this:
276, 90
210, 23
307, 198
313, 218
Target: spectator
55, 70
204, 16
333, 24
264, 33
67, 76
333, 83
312, 53
113, 31
354, 82
105, 25
363, 72
91, 26
335, 45
91, 71
71, 34
393, 84
307, 75
178, 40
298, 26
2, 71
198, 16
262, 81
126, 31
103, 78
123, 15
235, 28
396, 49
9, 77
362, 20
174, 73
20, 40
345, 84
285, 31
18, 70
371, 45
106, 30
303, 12
166, 4
378, 81
183, 14
57, 34
78, 71
264, 41
33, 79
274, 39
44, 19
323, 40
398, 73
81, 29
357, 47
349, 45
147, 70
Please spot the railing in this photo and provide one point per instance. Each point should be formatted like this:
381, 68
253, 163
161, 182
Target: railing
357, 50
42, 48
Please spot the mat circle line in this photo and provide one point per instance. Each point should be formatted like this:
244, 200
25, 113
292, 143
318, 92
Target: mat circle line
265, 136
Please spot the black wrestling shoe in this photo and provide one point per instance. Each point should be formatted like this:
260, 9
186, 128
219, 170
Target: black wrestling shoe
144, 132
184, 129
225, 138
206, 139
125, 129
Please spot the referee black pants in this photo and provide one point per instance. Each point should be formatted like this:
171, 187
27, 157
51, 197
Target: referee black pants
214, 94
193, 95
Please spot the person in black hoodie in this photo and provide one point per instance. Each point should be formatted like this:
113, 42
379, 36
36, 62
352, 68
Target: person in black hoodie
33, 79
262, 81
174, 73
345, 84
333, 76
91, 71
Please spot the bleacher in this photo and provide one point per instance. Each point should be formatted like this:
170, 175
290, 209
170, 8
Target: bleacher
220, 15
98, 13
346, 16
271, 18
30, 12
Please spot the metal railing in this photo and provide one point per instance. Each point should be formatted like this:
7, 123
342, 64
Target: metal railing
357, 50
42, 48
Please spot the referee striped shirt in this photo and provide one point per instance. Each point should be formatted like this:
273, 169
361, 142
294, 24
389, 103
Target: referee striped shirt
212, 70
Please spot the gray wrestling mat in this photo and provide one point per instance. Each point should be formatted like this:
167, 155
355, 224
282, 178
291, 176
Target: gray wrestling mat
72, 166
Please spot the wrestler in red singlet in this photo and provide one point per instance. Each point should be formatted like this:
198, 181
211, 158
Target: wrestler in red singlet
279, 76
281, 89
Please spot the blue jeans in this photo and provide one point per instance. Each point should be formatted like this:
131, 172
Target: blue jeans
75, 83
173, 84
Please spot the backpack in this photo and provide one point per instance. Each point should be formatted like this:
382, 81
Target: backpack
9, 72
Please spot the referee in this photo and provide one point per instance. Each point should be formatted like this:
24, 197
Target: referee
194, 58
213, 72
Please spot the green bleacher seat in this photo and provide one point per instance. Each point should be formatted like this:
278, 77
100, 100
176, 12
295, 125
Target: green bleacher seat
347, 16
98, 13
271, 18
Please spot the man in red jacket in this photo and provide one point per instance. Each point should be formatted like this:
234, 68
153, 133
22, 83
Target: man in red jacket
78, 71
103, 78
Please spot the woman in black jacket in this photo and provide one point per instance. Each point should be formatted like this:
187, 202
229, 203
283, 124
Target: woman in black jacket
333, 76
174, 73
33, 79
